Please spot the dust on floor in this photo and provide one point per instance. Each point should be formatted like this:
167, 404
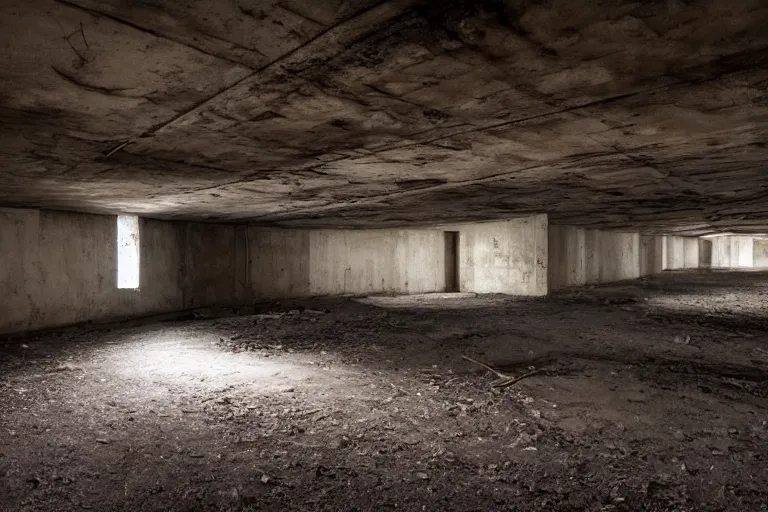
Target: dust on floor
652, 395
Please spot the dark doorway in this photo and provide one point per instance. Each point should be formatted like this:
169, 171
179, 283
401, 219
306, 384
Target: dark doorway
452, 261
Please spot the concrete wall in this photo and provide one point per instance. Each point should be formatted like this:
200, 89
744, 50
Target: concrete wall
303, 263
653, 255
619, 256
567, 256
690, 252
503, 257
59, 268
705, 253
721, 252
588, 256
734, 252
742, 251
675, 252
760, 252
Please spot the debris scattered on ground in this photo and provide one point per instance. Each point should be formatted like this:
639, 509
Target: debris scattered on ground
506, 380
198, 414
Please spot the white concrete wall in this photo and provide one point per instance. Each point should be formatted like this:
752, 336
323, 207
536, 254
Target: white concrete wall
690, 252
760, 252
675, 252
303, 263
652, 255
375, 261
495, 257
733, 252
504, 257
59, 268
721, 252
581, 256
742, 251
619, 256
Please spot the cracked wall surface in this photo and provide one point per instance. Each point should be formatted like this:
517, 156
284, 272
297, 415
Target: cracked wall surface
357, 113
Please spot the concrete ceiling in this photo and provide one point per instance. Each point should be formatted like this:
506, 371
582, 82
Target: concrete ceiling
364, 113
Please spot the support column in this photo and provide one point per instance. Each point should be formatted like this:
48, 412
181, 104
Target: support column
705, 253
760, 252
675, 252
742, 248
721, 252
652, 255
566, 257
690, 252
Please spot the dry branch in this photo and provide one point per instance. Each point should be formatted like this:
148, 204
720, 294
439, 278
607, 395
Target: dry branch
509, 381
487, 367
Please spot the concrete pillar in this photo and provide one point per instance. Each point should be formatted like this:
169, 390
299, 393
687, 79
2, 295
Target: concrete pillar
705, 253
592, 256
742, 249
721, 252
652, 255
760, 252
675, 252
504, 257
690, 252
566, 257
619, 256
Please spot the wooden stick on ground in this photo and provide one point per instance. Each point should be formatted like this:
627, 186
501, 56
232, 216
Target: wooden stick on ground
487, 367
512, 380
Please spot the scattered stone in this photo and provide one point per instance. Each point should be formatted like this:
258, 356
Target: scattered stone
265, 479
422, 476
270, 316
102, 441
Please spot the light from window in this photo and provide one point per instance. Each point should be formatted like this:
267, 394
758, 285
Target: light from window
127, 251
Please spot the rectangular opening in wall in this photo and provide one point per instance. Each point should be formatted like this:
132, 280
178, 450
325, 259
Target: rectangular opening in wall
128, 251
452, 261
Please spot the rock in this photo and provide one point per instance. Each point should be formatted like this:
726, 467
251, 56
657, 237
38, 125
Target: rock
422, 476
339, 443
265, 479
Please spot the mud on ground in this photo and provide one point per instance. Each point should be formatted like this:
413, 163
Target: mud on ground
652, 395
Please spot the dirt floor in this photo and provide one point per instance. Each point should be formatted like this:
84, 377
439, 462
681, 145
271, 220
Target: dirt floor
652, 395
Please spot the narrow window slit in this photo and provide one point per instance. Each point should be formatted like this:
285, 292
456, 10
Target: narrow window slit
128, 252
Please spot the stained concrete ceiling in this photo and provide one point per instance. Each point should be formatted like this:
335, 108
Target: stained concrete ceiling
611, 113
